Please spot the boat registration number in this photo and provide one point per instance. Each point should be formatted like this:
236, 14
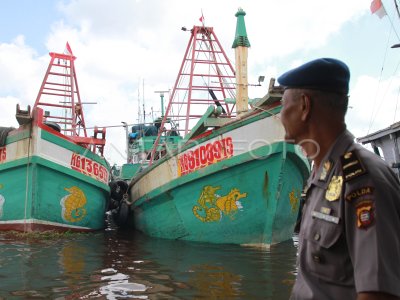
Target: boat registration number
205, 155
89, 167
3, 154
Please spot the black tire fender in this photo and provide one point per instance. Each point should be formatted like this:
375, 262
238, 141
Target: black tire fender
123, 212
118, 189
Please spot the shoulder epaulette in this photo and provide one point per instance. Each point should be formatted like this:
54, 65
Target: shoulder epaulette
351, 165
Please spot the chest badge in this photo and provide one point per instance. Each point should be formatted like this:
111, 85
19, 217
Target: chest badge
334, 188
326, 167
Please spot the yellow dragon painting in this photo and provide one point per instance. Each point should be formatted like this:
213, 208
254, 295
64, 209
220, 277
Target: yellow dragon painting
73, 205
213, 206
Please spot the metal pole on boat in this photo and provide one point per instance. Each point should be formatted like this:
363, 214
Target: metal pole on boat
240, 44
162, 100
127, 140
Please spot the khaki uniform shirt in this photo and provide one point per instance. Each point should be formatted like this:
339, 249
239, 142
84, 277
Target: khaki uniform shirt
349, 240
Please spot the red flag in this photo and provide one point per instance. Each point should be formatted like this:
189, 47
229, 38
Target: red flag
378, 9
201, 19
68, 47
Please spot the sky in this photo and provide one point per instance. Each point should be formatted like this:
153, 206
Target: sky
128, 49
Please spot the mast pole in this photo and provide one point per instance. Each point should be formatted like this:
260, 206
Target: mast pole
162, 101
241, 45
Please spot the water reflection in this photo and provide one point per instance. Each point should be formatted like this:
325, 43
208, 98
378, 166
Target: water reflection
120, 265
45, 268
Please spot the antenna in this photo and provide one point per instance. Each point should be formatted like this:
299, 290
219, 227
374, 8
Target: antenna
138, 99
144, 111
162, 100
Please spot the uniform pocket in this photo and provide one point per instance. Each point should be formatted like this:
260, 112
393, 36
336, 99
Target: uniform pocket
326, 255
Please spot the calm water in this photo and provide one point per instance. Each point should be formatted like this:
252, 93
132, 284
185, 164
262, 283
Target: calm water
128, 265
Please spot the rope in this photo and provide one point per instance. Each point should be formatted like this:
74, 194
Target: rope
384, 96
268, 111
372, 118
397, 8
27, 175
392, 28
397, 102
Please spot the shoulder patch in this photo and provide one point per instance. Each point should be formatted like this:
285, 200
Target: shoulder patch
365, 214
360, 192
351, 166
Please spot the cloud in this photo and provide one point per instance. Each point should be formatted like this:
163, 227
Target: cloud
19, 78
8, 106
126, 50
369, 99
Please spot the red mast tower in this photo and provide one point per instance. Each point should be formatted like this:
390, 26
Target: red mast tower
206, 77
60, 99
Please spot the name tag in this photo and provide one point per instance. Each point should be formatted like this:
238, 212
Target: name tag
328, 218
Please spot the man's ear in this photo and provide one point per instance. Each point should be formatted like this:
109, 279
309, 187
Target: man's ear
305, 107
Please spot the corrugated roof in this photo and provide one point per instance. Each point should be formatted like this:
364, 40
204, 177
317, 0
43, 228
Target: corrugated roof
395, 127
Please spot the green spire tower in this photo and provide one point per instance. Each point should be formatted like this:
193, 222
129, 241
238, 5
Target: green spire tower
241, 45
241, 38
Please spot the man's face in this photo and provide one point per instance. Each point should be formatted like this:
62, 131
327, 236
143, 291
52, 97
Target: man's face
291, 115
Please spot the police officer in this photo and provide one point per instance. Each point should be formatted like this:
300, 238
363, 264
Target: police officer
349, 241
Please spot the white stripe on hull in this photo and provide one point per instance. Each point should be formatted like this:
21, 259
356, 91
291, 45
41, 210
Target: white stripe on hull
250, 137
41, 222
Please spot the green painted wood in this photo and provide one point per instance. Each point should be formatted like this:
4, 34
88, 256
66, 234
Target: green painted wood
261, 154
44, 194
267, 180
47, 192
130, 170
268, 213
199, 127
182, 146
241, 38
39, 160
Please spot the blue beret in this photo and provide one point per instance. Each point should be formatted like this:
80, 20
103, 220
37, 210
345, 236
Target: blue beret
326, 74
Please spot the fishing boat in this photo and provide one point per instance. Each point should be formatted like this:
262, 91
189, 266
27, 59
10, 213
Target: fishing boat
230, 178
53, 175
139, 144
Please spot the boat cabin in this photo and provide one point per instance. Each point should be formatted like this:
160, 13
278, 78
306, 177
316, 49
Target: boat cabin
385, 143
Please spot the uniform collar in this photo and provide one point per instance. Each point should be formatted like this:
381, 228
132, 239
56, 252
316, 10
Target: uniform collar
324, 173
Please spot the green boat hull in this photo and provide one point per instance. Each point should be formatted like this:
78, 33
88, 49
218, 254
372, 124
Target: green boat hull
244, 200
43, 189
